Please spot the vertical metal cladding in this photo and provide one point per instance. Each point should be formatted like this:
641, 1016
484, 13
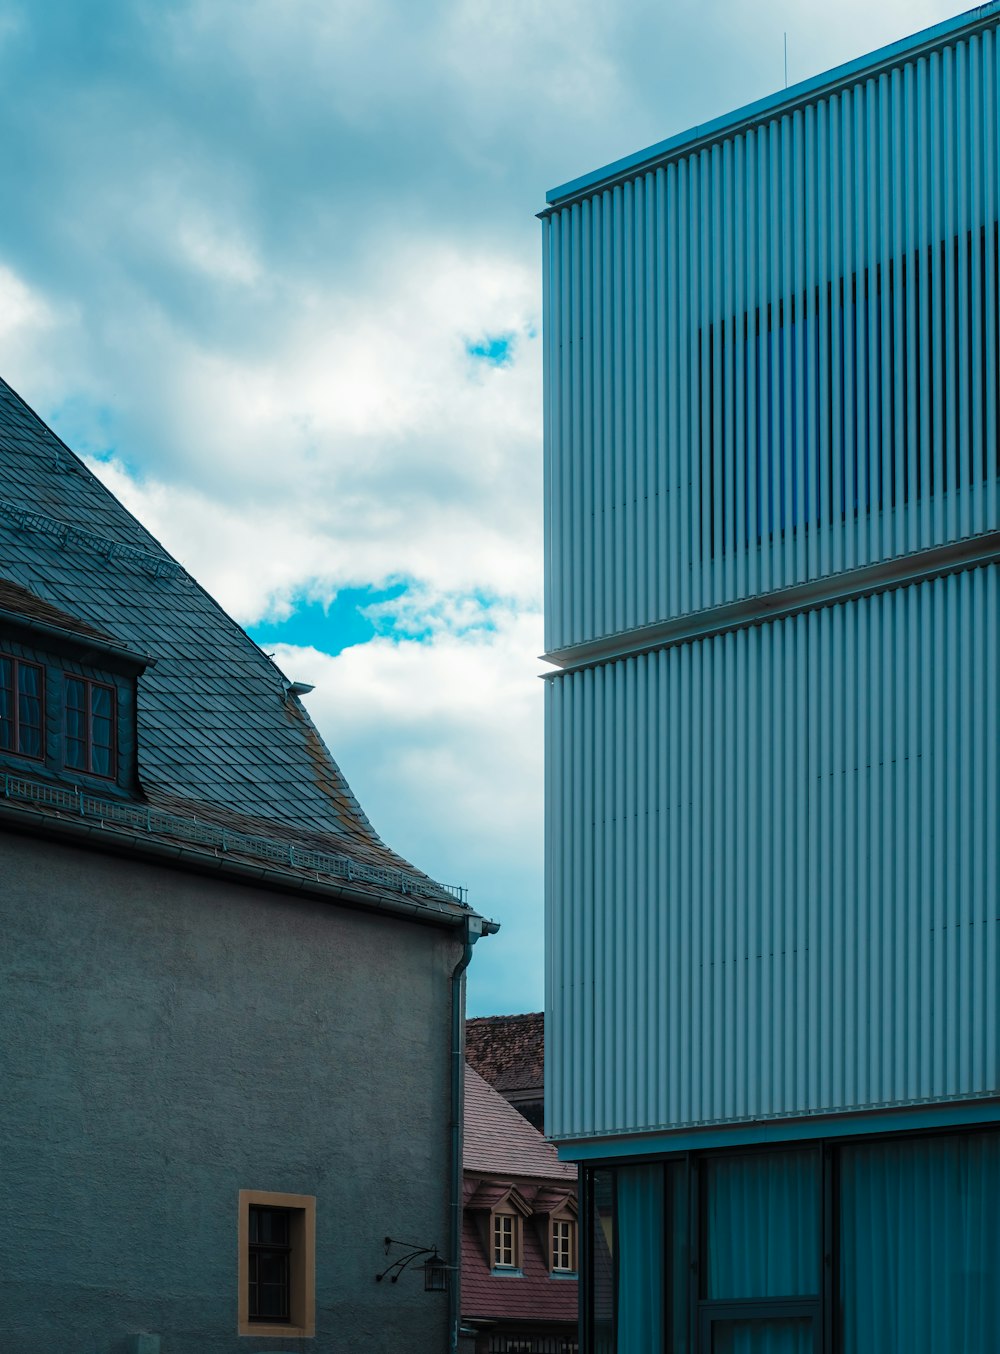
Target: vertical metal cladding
775, 356
774, 867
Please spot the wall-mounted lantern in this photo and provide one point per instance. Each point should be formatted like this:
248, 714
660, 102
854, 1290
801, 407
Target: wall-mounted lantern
435, 1269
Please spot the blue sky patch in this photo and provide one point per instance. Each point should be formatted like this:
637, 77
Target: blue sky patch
330, 627
495, 349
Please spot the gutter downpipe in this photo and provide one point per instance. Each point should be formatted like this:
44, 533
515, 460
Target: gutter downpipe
474, 928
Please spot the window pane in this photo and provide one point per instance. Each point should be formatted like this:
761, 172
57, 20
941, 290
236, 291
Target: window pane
920, 1246
76, 724
100, 702
774, 1335
602, 1263
763, 1219
29, 709
640, 1239
6, 705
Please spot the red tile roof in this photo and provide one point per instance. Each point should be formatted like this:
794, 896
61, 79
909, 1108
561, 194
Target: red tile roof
508, 1163
533, 1295
509, 1051
498, 1141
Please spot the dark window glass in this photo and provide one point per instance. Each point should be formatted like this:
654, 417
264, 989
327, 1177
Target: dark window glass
602, 1261
768, 1335
21, 718
90, 727
270, 1264
920, 1245
762, 1215
7, 705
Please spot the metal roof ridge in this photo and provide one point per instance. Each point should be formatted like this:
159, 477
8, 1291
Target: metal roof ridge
757, 109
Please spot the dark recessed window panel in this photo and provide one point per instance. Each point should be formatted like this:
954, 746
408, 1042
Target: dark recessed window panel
834, 1247
62, 720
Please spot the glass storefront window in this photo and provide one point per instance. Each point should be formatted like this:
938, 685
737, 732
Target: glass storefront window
762, 1215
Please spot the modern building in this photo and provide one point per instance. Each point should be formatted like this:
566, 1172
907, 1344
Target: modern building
520, 1242
230, 1041
773, 607
509, 1053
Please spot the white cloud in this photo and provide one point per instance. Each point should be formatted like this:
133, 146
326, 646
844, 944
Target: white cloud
367, 446
442, 743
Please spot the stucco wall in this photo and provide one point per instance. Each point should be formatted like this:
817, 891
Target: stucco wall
167, 1040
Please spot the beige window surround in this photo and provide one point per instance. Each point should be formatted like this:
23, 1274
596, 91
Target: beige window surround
302, 1209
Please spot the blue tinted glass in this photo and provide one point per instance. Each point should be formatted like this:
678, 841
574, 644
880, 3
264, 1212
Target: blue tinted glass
29, 709
763, 1225
6, 704
100, 702
920, 1245
640, 1238
76, 694
773, 1335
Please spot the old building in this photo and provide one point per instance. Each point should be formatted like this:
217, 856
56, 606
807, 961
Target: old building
773, 554
509, 1053
520, 1242
232, 1015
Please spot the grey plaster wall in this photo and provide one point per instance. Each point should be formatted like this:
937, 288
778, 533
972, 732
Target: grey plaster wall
167, 1040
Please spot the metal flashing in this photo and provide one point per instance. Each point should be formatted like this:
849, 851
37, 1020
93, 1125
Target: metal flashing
899, 571
957, 1113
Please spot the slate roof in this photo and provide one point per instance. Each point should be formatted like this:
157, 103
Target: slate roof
502, 1150
220, 736
18, 601
509, 1051
498, 1140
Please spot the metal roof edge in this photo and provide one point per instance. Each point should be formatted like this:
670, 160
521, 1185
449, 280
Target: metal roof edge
961, 1110
769, 104
115, 841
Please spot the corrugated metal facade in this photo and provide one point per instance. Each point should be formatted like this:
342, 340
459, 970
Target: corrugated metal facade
754, 837
775, 357
772, 851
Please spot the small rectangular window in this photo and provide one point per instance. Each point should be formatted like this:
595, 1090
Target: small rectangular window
90, 727
277, 1264
505, 1241
563, 1246
270, 1271
21, 708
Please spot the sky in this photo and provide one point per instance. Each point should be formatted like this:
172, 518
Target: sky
272, 267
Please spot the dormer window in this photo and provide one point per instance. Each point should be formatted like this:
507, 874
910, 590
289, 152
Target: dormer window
22, 687
68, 697
563, 1246
90, 727
506, 1241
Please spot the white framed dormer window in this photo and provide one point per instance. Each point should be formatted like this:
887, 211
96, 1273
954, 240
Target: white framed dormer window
506, 1241
562, 1246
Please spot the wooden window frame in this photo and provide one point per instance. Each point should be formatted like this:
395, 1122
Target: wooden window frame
14, 750
302, 1264
89, 683
563, 1221
516, 1238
